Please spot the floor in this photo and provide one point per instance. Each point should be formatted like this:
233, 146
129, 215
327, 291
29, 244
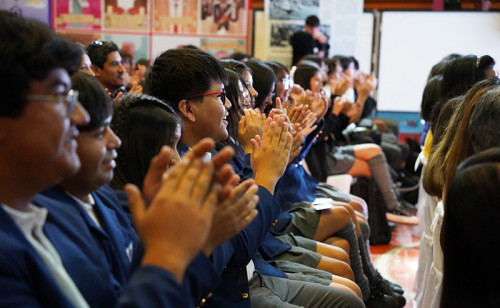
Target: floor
398, 261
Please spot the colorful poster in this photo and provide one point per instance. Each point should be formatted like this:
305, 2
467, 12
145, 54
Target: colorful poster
136, 45
164, 42
128, 15
77, 14
83, 38
36, 9
176, 16
223, 17
221, 48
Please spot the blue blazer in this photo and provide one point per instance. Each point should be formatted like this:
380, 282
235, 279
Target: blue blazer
98, 259
25, 280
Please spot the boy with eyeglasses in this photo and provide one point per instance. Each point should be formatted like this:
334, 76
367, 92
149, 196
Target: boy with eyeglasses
39, 117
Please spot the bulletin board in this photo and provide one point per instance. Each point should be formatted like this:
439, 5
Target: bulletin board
145, 28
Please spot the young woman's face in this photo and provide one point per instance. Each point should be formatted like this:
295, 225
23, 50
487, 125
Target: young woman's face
316, 82
244, 99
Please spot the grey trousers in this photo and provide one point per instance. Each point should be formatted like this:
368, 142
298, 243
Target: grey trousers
274, 292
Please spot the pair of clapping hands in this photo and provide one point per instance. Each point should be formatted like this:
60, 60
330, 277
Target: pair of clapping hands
194, 206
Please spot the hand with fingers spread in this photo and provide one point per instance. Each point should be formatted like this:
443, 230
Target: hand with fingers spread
158, 168
270, 153
250, 125
319, 105
308, 125
297, 142
345, 82
174, 227
232, 214
279, 111
298, 114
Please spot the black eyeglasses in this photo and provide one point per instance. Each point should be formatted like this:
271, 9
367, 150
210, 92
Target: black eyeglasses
69, 99
220, 94
97, 43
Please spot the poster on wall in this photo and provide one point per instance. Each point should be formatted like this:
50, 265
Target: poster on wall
126, 15
221, 48
77, 14
293, 9
223, 17
84, 38
135, 45
339, 21
176, 16
37, 9
164, 42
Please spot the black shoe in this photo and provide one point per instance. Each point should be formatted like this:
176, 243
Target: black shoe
380, 300
394, 286
380, 286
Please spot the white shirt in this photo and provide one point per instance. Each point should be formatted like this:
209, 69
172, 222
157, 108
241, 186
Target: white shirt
31, 224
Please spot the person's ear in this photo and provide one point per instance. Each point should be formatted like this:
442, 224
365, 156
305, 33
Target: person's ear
97, 70
187, 111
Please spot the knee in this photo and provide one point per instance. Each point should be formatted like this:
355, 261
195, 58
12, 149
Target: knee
342, 215
342, 244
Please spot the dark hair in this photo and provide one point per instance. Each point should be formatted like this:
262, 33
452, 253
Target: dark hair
240, 56
430, 97
483, 123
332, 64
144, 124
93, 98
98, 51
458, 77
235, 112
180, 73
439, 67
144, 62
303, 75
29, 50
263, 81
355, 61
314, 58
455, 145
312, 21
126, 56
277, 67
235, 65
471, 214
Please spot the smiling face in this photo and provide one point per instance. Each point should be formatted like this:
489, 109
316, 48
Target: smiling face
97, 153
112, 74
316, 82
205, 118
247, 76
41, 141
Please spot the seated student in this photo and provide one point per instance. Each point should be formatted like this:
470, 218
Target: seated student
38, 150
303, 251
471, 212
292, 188
193, 83
328, 158
89, 228
38, 118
